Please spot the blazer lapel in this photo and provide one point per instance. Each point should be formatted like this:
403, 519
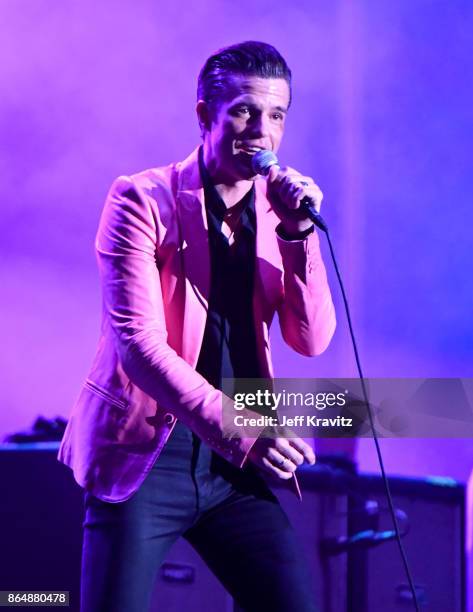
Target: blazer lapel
268, 270
192, 220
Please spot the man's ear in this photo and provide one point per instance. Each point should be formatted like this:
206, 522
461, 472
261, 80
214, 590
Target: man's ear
203, 116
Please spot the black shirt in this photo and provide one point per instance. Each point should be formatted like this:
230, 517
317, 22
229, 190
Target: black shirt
229, 344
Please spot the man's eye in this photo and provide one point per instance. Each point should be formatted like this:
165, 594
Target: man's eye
243, 110
278, 116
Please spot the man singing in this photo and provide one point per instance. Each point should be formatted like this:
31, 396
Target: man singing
195, 258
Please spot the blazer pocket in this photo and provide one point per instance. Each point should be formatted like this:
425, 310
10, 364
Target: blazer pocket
106, 395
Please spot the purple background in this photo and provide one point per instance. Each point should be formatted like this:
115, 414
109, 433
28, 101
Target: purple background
382, 118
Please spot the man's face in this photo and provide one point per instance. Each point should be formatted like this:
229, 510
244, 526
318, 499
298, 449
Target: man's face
252, 117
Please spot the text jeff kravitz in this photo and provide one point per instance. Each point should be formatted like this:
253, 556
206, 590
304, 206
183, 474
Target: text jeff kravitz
296, 421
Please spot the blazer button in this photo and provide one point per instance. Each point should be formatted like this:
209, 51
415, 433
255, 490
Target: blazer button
169, 418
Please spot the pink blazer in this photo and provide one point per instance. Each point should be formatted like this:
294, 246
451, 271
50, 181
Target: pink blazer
153, 258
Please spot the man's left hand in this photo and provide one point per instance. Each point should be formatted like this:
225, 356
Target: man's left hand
286, 189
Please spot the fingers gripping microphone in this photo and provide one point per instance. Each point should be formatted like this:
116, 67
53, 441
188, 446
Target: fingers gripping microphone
262, 162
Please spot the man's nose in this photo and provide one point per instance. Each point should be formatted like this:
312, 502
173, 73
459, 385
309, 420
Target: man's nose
260, 125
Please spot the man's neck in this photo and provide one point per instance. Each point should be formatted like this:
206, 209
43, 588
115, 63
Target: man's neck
230, 190
232, 194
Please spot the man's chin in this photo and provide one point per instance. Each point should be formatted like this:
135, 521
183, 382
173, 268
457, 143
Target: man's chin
245, 168
247, 176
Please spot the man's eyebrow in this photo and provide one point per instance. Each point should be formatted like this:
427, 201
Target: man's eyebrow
244, 102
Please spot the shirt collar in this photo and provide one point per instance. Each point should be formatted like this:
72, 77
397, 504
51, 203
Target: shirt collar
213, 200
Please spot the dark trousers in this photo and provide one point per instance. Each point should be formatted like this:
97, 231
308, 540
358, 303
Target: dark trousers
228, 515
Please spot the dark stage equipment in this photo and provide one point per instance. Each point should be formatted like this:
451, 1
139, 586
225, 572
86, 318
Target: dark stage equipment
433, 512
41, 514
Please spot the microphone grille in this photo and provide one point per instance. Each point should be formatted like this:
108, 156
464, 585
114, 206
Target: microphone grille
262, 161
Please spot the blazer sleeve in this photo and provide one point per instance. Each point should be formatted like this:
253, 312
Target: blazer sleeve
127, 247
306, 311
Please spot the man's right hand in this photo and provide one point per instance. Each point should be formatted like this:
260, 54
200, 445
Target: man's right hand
281, 456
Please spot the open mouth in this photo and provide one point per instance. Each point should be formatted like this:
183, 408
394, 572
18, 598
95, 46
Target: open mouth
248, 149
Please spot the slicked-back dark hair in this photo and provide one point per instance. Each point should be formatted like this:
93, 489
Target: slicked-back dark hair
250, 58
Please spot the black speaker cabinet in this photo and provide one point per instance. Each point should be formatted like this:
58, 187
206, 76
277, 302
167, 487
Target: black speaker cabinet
41, 513
363, 577
432, 512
